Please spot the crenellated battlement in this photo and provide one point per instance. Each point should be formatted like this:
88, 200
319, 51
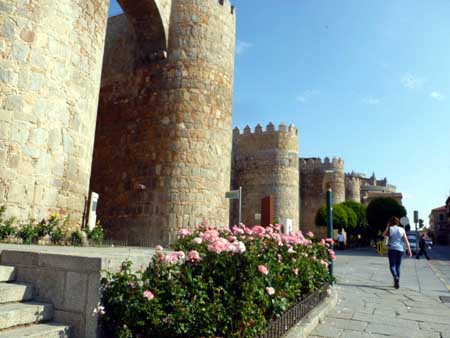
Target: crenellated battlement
325, 164
228, 6
355, 175
270, 130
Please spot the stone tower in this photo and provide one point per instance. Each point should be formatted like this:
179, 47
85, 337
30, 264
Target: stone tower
352, 187
315, 177
163, 142
265, 163
51, 54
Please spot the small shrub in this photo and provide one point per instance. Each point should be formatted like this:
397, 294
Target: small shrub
96, 235
7, 228
57, 235
29, 232
76, 238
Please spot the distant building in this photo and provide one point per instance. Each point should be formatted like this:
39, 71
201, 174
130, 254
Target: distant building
440, 225
359, 188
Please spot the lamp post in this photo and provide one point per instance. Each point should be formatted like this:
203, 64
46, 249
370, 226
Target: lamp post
330, 221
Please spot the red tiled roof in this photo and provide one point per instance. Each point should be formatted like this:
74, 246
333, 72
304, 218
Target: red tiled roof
443, 208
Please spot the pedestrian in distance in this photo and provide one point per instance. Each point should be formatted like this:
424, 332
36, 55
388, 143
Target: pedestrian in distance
423, 248
341, 240
397, 237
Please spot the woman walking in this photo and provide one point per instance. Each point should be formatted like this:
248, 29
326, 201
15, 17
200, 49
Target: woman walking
397, 237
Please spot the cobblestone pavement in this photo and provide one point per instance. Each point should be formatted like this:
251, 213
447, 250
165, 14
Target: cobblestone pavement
369, 306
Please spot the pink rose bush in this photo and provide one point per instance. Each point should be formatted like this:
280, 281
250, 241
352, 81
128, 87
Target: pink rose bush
215, 283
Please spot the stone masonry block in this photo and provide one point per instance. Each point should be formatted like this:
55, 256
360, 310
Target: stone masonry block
70, 263
75, 292
93, 297
19, 258
74, 319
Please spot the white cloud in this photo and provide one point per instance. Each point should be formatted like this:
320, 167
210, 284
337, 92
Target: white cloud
437, 95
242, 47
411, 81
307, 95
372, 101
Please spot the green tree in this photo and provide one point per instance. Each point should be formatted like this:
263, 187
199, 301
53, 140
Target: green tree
352, 218
340, 216
360, 210
380, 210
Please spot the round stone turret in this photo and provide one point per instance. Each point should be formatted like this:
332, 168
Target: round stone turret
352, 188
265, 163
51, 54
163, 143
316, 177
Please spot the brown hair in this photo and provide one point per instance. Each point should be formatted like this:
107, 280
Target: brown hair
394, 221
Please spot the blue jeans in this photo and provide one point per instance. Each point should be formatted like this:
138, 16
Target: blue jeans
395, 261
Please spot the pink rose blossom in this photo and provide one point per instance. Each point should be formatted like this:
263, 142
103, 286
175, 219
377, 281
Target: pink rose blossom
175, 257
295, 271
236, 230
270, 291
263, 269
184, 232
324, 263
210, 235
148, 294
258, 230
194, 256
310, 234
238, 247
197, 240
220, 245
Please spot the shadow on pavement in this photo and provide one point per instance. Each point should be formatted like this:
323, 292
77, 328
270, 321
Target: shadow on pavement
357, 252
368, 286
438, 252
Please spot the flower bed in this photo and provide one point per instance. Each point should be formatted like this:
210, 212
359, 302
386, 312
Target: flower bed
217, 283
51, 231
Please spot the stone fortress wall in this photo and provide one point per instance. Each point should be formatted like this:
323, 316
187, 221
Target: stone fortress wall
162, 154
265, 163
50, 67
316, 176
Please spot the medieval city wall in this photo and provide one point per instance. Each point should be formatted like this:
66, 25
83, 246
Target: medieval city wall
50, 66
316, 176
163, 144
265, 163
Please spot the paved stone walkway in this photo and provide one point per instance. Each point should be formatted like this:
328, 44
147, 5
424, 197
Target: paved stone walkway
369, 306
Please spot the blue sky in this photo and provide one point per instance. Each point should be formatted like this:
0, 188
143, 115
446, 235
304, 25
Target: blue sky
365, 80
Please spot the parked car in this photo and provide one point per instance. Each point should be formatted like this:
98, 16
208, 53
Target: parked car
412, 241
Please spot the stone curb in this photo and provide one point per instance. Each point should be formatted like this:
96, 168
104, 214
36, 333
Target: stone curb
304, 327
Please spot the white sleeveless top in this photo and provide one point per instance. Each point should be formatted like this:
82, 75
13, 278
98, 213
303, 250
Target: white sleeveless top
396, 234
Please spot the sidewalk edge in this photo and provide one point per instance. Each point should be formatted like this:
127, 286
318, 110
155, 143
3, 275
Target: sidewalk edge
304, 327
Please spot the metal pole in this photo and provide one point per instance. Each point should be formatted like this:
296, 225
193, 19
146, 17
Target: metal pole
417, 239
416, 221
330, 222
240, 206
